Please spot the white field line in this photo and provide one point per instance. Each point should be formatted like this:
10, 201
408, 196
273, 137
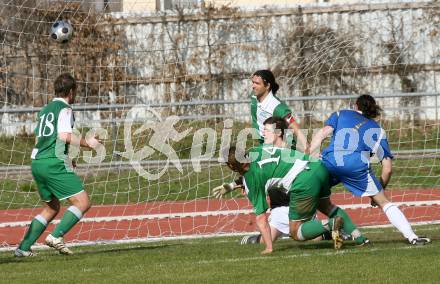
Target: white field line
329, 253
142, 217
6, 247
203, 214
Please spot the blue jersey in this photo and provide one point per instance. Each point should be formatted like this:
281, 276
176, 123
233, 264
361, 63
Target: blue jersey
355, 140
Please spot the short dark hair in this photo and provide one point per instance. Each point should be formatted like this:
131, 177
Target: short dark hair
63, 84
280, 123
233, 163
268, 78
368, 106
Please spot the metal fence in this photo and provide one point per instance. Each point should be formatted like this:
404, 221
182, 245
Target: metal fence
428, 104
238, 110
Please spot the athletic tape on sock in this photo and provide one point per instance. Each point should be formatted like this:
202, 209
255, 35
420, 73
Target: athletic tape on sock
356, 234
75, 210
41, 219
299, 234
325, 224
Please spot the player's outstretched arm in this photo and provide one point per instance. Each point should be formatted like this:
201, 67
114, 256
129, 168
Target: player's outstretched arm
225, 188
264, 228
70, 138
317, 139
300, 137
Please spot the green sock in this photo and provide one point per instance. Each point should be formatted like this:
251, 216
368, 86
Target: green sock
37, 227
70, 218
360, 240
312, 229
349, 227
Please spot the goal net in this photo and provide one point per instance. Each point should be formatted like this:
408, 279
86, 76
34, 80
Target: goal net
166, 84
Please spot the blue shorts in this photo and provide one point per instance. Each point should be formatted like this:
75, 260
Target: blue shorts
360, 182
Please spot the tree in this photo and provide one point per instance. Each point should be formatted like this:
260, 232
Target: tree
318, 60
33, 60
396, 49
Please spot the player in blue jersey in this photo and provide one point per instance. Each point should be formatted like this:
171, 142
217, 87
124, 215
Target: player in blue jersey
356, 137
274, 133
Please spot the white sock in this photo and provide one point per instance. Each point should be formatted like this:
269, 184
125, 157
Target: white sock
399, 220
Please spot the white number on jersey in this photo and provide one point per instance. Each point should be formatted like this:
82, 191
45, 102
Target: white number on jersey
268, 160
46, 127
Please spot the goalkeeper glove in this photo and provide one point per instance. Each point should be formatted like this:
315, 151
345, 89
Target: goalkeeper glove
221, 190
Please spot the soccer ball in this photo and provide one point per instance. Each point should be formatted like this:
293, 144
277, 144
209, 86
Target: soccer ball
61, 31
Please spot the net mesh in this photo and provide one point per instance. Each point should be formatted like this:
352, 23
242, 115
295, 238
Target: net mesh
186, 70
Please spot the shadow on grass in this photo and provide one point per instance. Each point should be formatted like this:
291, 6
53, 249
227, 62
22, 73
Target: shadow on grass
322, 245
140, 247
45, 255
8, 257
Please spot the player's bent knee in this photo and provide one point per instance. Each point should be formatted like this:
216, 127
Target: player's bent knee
293, 230
85, 207
380, 199
326, 206
81, 201
52, 206
49, 213
294, 235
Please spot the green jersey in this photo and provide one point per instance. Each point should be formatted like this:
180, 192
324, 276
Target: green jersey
271, 168
48, 126
270, 106
53, 175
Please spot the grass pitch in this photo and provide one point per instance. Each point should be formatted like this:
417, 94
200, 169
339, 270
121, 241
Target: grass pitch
222, 260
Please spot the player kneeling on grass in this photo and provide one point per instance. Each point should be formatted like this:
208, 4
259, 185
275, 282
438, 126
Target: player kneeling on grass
54, 178
279, 220
274, 133
279, 212
307, 181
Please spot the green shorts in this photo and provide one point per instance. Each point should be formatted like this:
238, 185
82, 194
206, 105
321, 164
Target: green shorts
308, 188
55, 179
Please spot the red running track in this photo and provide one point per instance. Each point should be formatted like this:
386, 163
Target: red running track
155, 219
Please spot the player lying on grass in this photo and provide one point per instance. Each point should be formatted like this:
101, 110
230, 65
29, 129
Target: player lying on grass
54, 178
356, 137
279, 220
307, 181
274, 134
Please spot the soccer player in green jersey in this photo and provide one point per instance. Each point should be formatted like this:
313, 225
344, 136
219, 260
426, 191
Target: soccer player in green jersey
279, 200
307, 181
278, 197
265, 104
274, 128
51, 170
